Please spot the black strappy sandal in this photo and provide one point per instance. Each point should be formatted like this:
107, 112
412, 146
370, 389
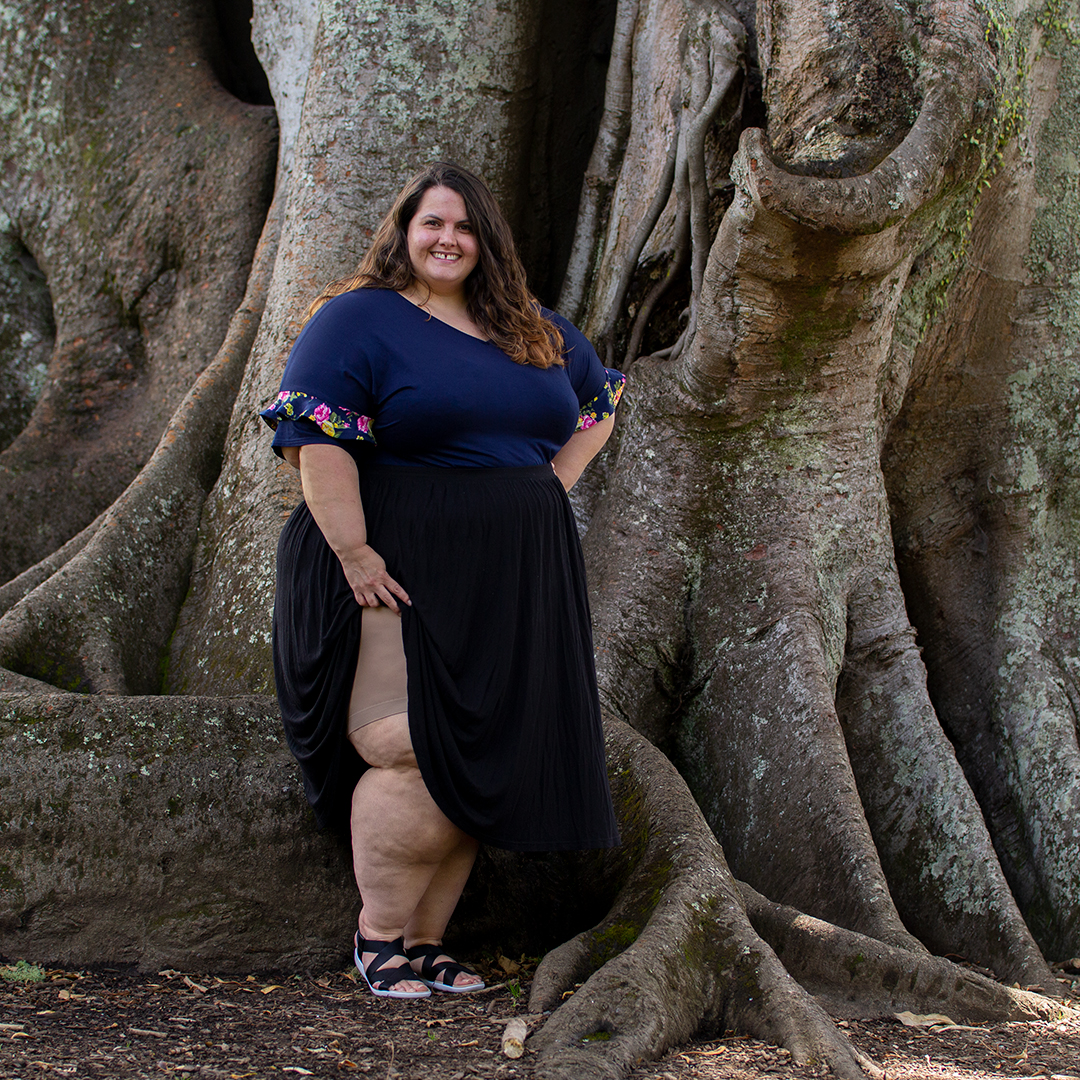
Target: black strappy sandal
381, 980
439, 975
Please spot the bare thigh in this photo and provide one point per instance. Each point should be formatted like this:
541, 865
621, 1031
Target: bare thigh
385, 743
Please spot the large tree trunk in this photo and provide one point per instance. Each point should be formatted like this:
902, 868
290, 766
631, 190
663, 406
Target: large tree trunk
394, 122
811, 299
982, 467
138, 188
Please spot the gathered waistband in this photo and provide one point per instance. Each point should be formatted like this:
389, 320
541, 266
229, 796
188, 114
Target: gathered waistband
435, 472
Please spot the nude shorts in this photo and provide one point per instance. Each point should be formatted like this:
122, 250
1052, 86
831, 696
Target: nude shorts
380, 687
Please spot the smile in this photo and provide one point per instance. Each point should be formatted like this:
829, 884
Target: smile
448, 256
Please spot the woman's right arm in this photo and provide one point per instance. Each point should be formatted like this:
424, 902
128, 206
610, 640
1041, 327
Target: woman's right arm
332, 492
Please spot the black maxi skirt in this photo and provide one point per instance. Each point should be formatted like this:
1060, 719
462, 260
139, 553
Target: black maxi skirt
503, 708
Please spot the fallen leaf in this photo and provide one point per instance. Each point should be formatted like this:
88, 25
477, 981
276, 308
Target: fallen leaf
910, 1019
270, 989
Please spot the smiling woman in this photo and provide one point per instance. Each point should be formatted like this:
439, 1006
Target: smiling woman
443, 252
432, 644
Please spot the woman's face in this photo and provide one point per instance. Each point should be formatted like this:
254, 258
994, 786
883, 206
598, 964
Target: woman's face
442, 246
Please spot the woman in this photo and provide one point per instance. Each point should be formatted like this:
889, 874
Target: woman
432, 645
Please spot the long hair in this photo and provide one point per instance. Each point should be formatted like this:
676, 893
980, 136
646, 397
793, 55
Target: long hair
498, 299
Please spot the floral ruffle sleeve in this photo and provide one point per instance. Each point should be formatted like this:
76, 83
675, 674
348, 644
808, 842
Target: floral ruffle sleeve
603, 405
332, 420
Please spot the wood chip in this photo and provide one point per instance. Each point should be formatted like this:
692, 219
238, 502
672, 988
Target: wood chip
513, 1038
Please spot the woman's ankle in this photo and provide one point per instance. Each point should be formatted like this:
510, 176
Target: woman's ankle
374, 932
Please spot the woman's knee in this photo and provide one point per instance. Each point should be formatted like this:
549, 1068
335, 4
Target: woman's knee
385, 743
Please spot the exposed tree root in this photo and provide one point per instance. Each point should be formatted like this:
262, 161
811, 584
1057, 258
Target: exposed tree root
676, 953
212, 794
11, 683
786, 524
604, 164
23, 584
77, 629
918, 804
163, 832
679, 953
858, 976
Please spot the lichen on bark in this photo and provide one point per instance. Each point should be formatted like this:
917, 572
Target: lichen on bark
764, 591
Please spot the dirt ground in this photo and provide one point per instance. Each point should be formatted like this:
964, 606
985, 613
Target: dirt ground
119, 1025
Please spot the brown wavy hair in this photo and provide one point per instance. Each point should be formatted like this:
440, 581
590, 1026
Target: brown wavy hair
499, 301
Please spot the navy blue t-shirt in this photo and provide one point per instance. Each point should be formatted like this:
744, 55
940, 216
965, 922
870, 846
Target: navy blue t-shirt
371, 368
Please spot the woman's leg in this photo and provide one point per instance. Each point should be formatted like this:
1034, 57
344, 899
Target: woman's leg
428, 922
411, 862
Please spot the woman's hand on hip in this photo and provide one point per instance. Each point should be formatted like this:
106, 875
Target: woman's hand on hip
365, 571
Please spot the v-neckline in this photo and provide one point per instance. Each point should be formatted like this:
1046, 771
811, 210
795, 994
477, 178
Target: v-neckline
431, 315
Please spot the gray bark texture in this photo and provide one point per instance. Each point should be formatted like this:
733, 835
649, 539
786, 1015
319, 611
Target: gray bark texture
138, 187
832, 546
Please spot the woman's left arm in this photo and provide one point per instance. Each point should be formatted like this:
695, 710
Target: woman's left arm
569, 463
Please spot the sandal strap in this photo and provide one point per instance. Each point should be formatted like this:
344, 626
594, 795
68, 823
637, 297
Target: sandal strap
430, 969
384, 951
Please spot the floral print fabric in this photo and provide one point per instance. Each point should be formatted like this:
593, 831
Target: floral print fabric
603, 405
341, 423
332, 420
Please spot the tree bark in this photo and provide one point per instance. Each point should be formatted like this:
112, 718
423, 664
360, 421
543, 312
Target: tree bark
834, 303
353, 153
981, 468
138, 186
788, 642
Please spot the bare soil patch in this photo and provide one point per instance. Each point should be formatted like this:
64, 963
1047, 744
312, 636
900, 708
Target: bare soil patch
120, 1024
